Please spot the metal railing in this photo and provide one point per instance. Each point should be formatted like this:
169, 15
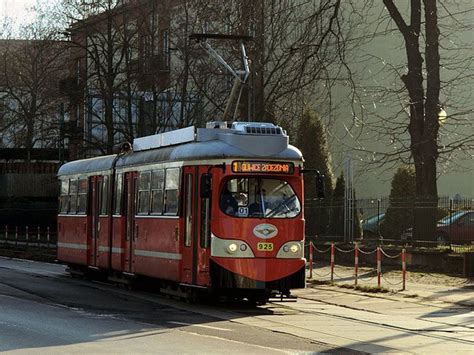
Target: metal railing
28, 237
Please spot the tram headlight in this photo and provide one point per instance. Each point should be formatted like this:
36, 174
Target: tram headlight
295, 248
232, 248
291, 250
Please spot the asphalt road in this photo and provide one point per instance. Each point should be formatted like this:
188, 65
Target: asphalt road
43, 310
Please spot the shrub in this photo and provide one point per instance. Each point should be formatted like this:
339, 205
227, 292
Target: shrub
399, 216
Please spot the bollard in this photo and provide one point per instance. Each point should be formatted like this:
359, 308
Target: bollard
404, 269
6, 234
26, 232
310, 260
16, 235
38, 237
356, 263
332, 262
47, 237
379, 267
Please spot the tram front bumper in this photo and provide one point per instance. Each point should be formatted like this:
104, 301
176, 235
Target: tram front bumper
258, 273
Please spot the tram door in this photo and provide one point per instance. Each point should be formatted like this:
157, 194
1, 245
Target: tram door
194, 265
96, 194
189, 255
130, 234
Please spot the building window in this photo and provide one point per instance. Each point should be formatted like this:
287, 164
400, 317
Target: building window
147, 53
166, 48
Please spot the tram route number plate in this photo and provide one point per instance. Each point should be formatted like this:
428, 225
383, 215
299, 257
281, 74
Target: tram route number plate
264, 246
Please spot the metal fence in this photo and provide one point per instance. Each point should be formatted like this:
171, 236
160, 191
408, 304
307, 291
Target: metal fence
392, 220
28, 237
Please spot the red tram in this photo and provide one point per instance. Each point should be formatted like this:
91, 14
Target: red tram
218, 209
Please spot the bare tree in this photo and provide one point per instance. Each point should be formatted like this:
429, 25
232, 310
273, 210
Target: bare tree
295, 43
424, 102
30, 73
97, 33
399, 93
125, 82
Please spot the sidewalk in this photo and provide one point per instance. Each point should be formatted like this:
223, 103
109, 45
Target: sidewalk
420, 286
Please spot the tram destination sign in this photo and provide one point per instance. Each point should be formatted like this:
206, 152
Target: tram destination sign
262, 167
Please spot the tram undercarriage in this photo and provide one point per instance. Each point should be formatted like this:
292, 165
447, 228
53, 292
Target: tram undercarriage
227, 286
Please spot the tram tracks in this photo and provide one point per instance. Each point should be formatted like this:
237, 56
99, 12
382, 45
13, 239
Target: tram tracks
314, 321
285, 318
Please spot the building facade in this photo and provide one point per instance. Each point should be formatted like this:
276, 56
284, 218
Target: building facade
121, 77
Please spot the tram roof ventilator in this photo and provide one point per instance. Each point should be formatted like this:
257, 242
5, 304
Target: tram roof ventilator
255, 137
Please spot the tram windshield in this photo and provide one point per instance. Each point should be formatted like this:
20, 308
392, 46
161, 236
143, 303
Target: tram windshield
259, 198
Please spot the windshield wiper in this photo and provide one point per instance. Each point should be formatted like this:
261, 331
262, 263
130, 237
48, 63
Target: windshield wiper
281, 204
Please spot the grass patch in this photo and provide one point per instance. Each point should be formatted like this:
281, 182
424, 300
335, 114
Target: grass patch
367, 289
318, 282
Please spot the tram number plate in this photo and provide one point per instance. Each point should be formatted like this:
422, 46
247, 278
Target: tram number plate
265, 246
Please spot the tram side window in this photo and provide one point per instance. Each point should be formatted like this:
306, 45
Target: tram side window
171, 191
72, 196
118, 194
144, 192
104, 201
64, 197
157, 184
82, 197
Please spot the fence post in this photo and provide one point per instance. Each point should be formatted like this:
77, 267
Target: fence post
379, 267
404, 269
26, 232
47, 237
356, 263
310, 260
332, 262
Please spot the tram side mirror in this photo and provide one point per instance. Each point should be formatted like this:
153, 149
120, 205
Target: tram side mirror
319, 181
320, 185
205, 190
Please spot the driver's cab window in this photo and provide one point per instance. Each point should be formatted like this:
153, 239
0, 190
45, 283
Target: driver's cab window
259, 198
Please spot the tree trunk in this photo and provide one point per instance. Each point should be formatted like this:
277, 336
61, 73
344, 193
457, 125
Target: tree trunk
424, 108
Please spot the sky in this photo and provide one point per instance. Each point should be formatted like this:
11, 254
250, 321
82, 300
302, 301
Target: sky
15, 13
16, 9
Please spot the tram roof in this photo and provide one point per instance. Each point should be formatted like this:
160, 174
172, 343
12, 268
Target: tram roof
254, 147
